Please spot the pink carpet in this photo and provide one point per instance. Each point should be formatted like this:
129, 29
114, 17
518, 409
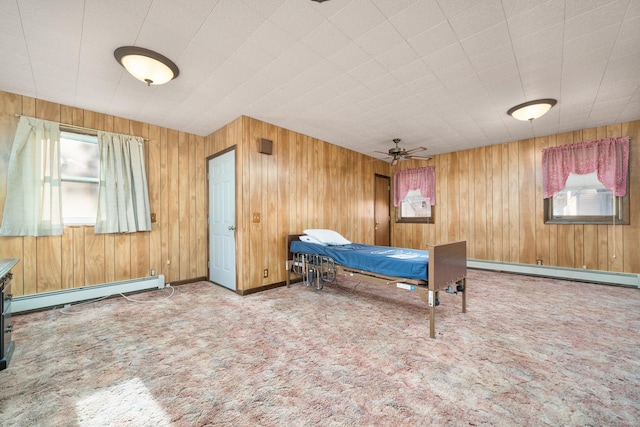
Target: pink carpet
529, 352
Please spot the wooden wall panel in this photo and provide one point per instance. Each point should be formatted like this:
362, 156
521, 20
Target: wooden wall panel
486, 196
508, 177
121, 257
283, 217
270, 204
477, 183
164, 199
30, 265
527, 201
514, 203
443, 171
80, 257
496, 212
73, 256
94, 258
297, 187
467, 201
453, 203
182, 202
194, 195
201, 210
506, 212
48, 263
254, 196
173, 202
154, 180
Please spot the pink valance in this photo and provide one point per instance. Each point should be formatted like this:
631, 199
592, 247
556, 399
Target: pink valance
609, 157
423, 179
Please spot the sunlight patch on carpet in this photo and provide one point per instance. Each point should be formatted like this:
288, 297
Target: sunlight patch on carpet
128, 403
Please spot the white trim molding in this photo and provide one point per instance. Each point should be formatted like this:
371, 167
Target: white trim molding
593, 276
70, 296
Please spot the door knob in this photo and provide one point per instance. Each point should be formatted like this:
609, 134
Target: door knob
232, 227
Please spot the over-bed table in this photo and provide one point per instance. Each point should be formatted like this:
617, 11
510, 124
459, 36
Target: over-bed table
446, 268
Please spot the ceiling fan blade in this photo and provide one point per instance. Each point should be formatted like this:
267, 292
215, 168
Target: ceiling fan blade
415, 150
382, 152
419, 157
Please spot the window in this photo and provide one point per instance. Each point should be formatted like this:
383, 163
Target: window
414, 194
80, 176
414, 208
585, 200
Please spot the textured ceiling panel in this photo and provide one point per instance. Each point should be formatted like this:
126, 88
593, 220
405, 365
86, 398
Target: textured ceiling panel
356, 73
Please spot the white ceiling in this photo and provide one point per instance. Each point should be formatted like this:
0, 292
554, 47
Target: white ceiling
356, 73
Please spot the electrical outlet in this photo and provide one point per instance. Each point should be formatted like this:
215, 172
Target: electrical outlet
255, 217
265, 273
153, 217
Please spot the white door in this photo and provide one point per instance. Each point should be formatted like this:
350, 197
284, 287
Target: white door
222, 219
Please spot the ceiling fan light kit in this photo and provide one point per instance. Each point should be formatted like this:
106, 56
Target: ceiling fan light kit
146, 65
529, 111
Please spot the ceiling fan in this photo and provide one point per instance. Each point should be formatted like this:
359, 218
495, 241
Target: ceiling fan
397, 153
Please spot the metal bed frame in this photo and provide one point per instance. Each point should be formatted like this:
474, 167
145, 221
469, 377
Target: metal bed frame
447, 272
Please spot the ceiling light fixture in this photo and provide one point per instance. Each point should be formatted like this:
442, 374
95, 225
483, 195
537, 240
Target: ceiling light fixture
146, 65
319, 1
532, 110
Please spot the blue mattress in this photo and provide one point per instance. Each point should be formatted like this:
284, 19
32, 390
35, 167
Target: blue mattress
397, 262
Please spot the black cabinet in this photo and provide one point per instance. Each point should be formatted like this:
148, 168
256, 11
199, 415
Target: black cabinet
6, 344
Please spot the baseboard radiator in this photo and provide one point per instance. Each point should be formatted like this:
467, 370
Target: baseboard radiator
593, 276
70, 296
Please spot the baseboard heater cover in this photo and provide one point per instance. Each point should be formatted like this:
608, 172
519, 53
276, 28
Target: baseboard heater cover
593, 276
74, 295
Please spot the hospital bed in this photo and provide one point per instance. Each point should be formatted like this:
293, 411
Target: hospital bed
440, 268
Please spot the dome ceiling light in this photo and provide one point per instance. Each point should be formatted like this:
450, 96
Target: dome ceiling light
146, 65
531, 110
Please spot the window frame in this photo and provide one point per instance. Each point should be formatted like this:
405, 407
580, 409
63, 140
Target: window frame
622, 214
89, 138
414, 219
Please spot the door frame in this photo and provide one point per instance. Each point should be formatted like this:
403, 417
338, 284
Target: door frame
375, 200
235, 168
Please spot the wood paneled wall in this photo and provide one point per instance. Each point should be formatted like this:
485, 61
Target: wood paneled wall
305, 183
176, 177
492, 198
489, 196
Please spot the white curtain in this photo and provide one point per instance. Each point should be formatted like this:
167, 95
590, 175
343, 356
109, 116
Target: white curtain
123, 198
32, 206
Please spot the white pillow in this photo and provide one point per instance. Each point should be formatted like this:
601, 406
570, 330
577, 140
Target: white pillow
310, 239
328, 237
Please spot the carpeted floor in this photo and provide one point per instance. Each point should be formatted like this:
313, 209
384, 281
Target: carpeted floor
529, 351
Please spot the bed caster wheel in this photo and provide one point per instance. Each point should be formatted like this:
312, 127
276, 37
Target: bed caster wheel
460, 288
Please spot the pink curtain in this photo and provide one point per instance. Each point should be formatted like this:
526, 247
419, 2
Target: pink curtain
423, 179
609, 157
